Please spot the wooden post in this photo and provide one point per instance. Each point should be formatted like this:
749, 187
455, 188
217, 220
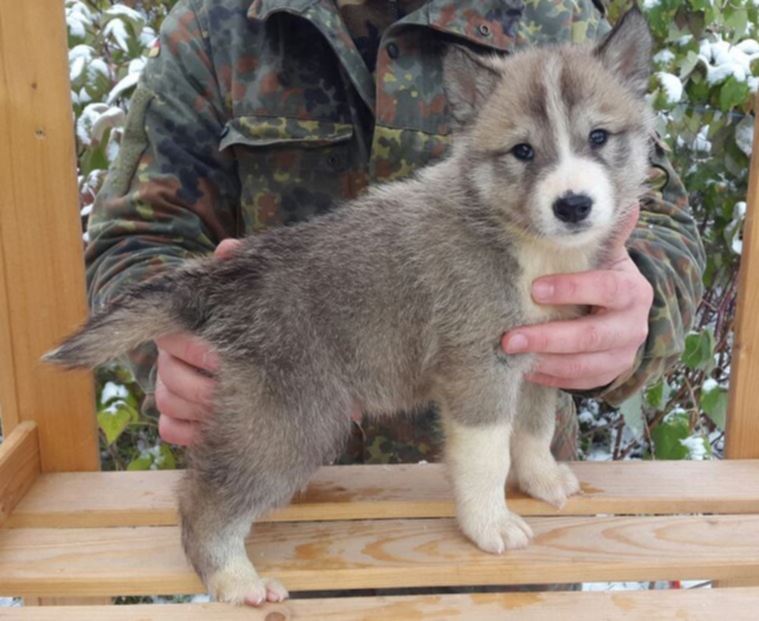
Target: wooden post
742, 433
42, 295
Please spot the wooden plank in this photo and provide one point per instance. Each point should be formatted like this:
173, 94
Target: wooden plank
19, 466
8, 401
693, 605
385, 554
742, 433
68, 601
374, 492
42, 276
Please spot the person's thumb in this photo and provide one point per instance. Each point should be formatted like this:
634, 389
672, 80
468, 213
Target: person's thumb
226, 247
618, 249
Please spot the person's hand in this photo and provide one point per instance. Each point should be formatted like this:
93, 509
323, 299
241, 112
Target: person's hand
596, 349
184, 378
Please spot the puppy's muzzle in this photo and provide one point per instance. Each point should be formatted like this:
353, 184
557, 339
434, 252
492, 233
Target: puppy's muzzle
572, 208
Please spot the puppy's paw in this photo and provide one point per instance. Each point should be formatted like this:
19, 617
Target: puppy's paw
240, 584
496, 534
549, 481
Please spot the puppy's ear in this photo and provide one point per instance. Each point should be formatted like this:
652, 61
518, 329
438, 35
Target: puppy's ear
626, 51
468, 80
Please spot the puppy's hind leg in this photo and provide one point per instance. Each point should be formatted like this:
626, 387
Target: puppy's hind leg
535, 470
214, 526
246, 465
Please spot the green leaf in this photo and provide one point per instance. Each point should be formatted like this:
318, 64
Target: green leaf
94, 159
156, 458
688, 65
699, 351
697, 446
696, 5
632, 412
658, 394
114, 418
667, 435
737, 20
733, 93
714, 405
143, 462
697, 89
168, 461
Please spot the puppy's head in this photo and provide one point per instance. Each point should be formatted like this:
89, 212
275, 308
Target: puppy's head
556, 139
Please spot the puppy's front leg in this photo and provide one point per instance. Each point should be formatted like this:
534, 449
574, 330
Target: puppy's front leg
478, 461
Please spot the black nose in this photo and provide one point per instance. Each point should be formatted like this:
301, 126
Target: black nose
572, 208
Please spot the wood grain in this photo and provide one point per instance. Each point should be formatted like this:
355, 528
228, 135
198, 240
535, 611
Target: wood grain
385, 554
19, 466
693, 605
742, 433
79, 602
42, 296
73, 500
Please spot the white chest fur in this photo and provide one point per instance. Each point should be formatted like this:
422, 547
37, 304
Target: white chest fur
538, 260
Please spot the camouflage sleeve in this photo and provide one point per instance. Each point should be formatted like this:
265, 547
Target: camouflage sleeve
170, 194
667, 249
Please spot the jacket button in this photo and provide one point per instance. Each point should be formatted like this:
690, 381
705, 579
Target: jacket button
392, 50
335, 162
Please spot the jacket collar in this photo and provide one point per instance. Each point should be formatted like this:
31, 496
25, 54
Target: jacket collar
325, 17
261, 9
487, 23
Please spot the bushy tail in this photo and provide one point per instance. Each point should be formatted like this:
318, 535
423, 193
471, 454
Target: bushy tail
160, 306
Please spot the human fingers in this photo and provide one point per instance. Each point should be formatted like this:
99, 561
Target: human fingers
583, 383
226, 247
177, 431
175, 405
591, 333
585, 370
618, 249
190, 349
614, 289
185, 381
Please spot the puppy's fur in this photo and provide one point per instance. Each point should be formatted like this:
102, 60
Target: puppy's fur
400, 298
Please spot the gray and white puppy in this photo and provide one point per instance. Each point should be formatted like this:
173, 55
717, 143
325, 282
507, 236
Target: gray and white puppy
399, 299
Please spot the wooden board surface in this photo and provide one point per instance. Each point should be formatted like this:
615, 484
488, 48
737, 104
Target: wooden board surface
693, 605
742, 434
385, 554
19, 466
41, 268
418, 490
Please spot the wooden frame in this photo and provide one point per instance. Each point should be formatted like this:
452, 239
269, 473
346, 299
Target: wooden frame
41, 276
742, 433
69, 531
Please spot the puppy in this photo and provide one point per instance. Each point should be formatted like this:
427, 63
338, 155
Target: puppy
399, 299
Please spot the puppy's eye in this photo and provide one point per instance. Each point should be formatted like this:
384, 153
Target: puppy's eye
598, 137
523, 152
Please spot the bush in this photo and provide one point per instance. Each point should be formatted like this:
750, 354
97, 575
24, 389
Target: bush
706, 68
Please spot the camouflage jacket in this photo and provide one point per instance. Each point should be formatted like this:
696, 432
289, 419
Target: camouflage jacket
263, 113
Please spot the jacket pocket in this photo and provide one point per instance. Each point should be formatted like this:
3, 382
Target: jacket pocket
279, 131
291, 169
